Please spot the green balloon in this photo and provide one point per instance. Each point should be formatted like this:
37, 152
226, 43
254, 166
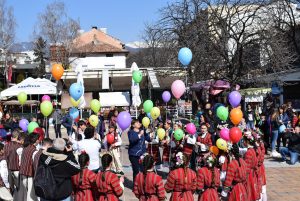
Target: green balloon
137, 76
31, 126
46, 108
148, 105
22, 98
178, 134
222, 113
95, 105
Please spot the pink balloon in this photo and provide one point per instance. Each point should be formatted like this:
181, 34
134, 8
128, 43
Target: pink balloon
46, 98
178, 88
191, 128
224, 134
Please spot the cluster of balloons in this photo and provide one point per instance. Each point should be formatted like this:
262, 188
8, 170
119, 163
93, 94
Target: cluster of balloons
26, 126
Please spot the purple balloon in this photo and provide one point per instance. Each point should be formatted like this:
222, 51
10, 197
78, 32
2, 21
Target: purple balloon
234, 98
23, 124
46, 98
166, 96
124, 120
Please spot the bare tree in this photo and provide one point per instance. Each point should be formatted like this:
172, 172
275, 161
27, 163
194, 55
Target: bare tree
59, 30
7, 33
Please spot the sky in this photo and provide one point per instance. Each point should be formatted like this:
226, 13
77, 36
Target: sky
124, 19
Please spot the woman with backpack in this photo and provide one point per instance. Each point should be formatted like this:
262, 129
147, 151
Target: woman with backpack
84, 183
109, 186
148, 186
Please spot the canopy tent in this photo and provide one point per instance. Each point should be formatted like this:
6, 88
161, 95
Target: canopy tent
31, 86
254, 94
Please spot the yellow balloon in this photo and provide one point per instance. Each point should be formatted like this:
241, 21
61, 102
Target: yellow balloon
155, 112
74, 102
146, 122
94, 120
161, 133
221, 144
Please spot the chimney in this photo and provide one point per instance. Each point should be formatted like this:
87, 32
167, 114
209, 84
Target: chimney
104, 30
94, 27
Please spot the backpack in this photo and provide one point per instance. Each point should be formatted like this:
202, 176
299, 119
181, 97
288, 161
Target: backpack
44, 183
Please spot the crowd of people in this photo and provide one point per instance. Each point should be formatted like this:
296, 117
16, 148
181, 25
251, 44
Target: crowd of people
87, 165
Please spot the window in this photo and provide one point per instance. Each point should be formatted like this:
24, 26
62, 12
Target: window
109, 55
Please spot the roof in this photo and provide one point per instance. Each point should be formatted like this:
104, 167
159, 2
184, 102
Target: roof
97, 41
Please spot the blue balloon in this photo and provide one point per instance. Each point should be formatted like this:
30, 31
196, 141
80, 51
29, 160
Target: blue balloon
149, 115
185, 56
76, 91
282, 128
74, 113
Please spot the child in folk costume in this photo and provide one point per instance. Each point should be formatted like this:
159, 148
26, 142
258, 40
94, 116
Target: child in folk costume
109, 186
153, 146
204, 142
189, 143
114, 149
84, 183
4, 183
165, 143
223, 164
148, 186
208, 180
236, 177
182, 181
176, 146
252, 163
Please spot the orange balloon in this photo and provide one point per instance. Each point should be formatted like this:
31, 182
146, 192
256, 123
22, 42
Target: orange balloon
236, 116
57, 71
214, 150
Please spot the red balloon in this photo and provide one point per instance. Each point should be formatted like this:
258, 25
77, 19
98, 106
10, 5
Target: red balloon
77, 119
110, 138
235, 134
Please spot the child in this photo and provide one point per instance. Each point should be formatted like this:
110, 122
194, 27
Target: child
148, 185
4, 184
165, 143
182, 181
108, 184
204, 142
114, 149
208, 180
84, 182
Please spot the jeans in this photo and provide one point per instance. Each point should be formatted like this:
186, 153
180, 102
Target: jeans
57, 128
286, 151
136, 166
250, 124
274, 139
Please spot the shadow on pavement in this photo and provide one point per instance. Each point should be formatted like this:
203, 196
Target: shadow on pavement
128, 183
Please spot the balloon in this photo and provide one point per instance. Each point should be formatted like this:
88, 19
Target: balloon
93, 120
22, 98
191, 128
149, 115
221, 144
214, 150
137, 76
23, 124
46, 98
40, 132
74, 113
185, 56
178, 88
124, 120
76, 91
224, 134
234, 98
161, 133
146, 122
57, 71
155, 112
148, 105
46, 108
110, 138
31, 126
95, 105
178, 134
282, 128
166, 96
74, 102
236, 116
222, 113
235, 134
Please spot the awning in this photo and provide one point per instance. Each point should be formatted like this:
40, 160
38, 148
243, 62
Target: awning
31, 86
255, 91
15, 102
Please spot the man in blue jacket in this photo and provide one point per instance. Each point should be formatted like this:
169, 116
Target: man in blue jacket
137, 145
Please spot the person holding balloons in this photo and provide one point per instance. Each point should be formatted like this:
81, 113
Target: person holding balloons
137, 146
176, 143
204, 142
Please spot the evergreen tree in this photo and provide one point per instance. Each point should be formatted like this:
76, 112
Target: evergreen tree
40, 53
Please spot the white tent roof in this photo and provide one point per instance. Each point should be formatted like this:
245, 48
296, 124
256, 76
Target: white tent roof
31, 86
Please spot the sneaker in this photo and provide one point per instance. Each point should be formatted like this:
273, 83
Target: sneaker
275, 154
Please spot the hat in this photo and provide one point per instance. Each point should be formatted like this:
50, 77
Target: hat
40, 132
